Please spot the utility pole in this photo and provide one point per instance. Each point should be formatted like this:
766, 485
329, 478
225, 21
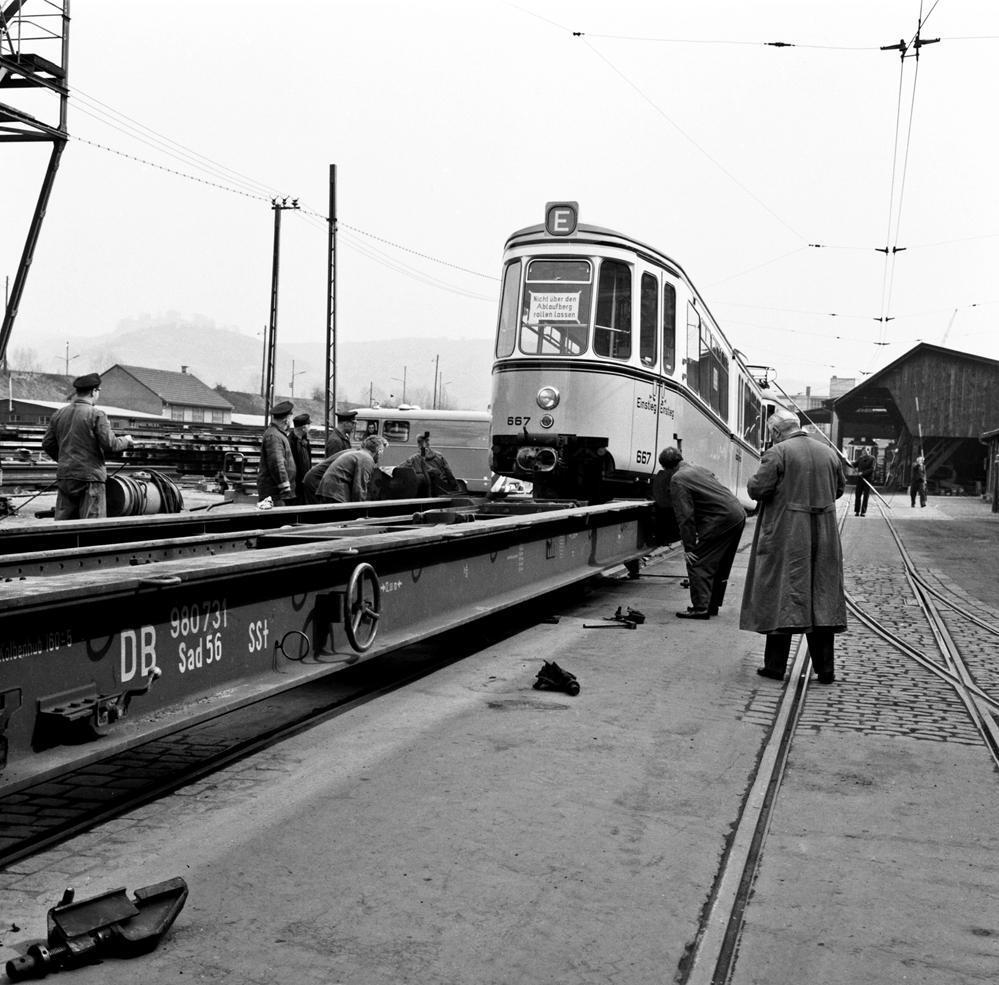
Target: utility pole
437, 363
301, 372
278, 207
331, 308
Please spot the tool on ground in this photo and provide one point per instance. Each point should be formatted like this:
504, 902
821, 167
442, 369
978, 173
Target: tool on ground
623, 624
552, 677
109, 925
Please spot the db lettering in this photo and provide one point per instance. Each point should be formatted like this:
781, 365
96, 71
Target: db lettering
138, 653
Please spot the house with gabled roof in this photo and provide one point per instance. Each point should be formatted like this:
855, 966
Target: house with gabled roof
175, 396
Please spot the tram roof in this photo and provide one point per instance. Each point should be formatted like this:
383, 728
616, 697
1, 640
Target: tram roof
598, 232
585, 233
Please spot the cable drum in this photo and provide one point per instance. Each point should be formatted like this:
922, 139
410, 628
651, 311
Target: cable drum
143, 494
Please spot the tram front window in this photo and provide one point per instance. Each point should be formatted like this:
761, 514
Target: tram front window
555, 314
613, 327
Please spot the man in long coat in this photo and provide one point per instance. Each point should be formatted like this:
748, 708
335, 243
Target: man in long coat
794, 582
710, 521
276, 474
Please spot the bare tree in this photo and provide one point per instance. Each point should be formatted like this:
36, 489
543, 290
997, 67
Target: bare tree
26, 360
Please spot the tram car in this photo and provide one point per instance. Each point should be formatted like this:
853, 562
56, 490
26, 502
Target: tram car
605, 354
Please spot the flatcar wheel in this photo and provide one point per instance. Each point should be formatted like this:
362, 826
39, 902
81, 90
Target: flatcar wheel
362, 607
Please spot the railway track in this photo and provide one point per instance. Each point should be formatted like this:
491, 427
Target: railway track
711, 959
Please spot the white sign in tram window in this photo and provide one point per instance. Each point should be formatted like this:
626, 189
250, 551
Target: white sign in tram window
554, 306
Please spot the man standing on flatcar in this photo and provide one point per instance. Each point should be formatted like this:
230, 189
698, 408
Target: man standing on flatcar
276, 475
301, 451
710, 520
339, 439
794, 581
78, 438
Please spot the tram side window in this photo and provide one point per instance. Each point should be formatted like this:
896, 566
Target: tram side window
713, 372
669, 327
751, 409
506, 333
363, 426
555, 315
693, 348
612, 331
647, 321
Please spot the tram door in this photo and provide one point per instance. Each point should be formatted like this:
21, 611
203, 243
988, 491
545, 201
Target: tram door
649, 391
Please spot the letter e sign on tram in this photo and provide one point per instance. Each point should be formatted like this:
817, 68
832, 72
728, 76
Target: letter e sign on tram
561, 218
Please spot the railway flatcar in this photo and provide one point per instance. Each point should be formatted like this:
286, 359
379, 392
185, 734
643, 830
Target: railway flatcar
605, 354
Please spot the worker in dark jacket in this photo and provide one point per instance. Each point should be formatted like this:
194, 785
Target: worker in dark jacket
794, 581
276, 476
339, 439
432, 470
349, 475
79, 438
864, 465
301, 451
710, 520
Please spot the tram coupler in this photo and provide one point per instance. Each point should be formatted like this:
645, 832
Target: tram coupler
552, 677
109, 925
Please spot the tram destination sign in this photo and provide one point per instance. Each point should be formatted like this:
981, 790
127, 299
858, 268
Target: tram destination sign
561, 218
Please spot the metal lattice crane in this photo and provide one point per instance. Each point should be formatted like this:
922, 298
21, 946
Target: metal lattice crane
34, 55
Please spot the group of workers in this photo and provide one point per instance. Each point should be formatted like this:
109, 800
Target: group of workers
79, 437
794, 578
345, 475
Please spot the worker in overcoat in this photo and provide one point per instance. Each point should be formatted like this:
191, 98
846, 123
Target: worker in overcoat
276, 474
349, 475
794, 581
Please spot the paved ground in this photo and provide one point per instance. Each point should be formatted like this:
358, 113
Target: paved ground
471, 830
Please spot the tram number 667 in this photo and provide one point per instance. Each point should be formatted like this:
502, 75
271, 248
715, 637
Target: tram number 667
643, 457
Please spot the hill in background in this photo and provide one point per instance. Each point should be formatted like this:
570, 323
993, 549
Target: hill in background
225, 357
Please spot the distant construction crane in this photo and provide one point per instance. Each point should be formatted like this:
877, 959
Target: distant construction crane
34, 53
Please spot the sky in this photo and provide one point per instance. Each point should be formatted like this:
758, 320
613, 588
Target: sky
452, 124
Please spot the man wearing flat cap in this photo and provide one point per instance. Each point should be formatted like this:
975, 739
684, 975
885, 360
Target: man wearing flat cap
794, 581
79, 438
301, 451
276, 475
339, 439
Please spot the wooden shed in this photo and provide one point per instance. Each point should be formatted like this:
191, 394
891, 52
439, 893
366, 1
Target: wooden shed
931, 401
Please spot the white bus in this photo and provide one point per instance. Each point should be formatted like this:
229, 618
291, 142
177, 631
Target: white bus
461, 436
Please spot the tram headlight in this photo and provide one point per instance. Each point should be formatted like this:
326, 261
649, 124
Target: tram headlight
548, 398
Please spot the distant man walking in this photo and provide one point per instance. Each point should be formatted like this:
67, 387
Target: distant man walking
917, 483
864, 465
276, 475
710, 520
794, 581
79, 438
